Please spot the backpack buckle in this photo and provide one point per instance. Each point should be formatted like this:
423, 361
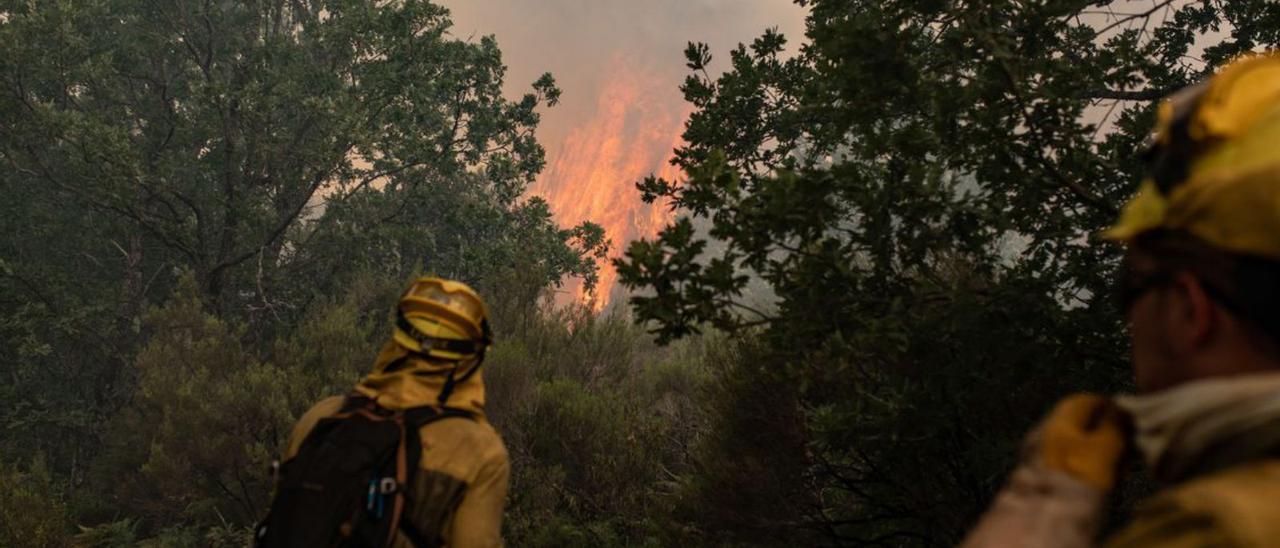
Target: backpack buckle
388, 486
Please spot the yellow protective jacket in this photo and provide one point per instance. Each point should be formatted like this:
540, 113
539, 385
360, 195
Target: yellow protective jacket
460, 488
1239, 506
1216, 445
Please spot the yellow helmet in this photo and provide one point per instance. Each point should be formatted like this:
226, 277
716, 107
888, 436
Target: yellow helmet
443, 319
1214, 169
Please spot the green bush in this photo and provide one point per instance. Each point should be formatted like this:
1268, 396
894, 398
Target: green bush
31, 511
194, 444
598, 421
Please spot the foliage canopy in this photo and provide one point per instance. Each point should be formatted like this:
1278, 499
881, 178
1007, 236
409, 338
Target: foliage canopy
920, 189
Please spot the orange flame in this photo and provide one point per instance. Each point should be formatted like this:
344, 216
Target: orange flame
591, 178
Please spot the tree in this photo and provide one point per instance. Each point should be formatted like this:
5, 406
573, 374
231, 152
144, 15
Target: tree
920, 188
212, 129
276, 152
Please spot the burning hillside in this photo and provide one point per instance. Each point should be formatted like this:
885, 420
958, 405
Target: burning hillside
592, 172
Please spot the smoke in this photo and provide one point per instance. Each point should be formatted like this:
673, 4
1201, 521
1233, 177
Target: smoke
578, 40
619, 64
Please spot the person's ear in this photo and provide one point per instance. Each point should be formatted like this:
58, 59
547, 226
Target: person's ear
1193, 310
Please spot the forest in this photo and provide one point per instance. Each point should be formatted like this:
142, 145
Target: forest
883, 269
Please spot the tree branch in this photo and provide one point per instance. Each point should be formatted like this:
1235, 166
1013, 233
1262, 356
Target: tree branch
1125, 95
1142, 15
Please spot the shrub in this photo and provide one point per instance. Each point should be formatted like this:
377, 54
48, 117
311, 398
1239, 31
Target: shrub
31, 511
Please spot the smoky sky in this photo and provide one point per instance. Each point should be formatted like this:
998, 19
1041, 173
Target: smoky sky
582, 42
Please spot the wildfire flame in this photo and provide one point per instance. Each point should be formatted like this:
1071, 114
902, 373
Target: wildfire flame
591, 177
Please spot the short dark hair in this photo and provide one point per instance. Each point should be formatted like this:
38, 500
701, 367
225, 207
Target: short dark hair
1247, 285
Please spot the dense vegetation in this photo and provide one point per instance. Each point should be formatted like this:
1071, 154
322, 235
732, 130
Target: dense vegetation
208, 207
921, 190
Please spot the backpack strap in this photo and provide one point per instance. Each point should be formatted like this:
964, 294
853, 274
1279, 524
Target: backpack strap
411, 532
408, 455
356, 401
427, 414
402, 477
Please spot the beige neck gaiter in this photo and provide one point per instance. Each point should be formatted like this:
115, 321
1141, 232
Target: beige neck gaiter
1206, 425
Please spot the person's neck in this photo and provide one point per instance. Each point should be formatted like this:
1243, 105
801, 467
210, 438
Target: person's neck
1231, 361
1202, 426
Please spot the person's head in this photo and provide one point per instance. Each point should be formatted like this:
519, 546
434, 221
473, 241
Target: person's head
441, 327
1201, 277
1196, 311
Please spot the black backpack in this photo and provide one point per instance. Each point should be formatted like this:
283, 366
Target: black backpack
348, 484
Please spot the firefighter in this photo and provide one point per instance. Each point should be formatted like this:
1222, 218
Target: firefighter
340, 483
1200, 284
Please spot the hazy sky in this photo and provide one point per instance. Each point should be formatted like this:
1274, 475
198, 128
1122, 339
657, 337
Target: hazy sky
582, 41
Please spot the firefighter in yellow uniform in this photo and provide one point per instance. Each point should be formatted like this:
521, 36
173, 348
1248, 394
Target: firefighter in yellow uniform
1201, 286
460, 487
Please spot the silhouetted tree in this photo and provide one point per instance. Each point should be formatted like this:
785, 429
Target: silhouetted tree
920, 189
